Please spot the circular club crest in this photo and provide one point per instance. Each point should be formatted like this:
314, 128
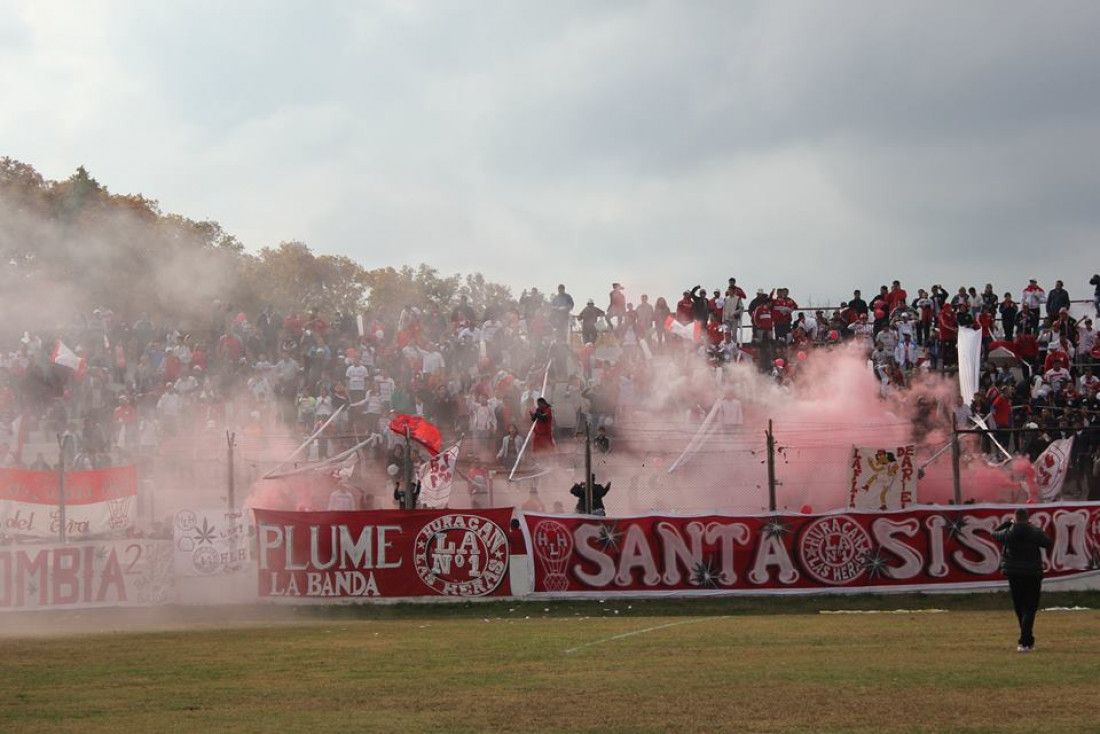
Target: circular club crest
461, 555
834, 550
1092, 540
553, 546
206, 560
186, 520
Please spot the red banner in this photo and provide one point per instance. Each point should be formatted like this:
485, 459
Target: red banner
81, 487
389, 553
853, 551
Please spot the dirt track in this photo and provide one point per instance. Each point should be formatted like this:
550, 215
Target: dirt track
146, 619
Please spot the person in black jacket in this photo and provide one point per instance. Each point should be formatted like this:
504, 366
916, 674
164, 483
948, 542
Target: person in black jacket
1022, 563
599, 491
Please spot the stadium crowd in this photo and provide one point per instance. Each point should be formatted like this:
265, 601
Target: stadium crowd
129, 385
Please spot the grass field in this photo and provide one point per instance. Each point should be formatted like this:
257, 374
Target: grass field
769, 665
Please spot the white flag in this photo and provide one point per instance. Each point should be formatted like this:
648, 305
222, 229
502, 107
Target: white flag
64, 356
688, 332
436, 478
970, 361
1051, 468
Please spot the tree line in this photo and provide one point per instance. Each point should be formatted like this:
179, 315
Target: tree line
68, 247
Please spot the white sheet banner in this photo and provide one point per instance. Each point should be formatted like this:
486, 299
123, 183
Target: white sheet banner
1051, 468
970, 361
437, 478
209, 542
89, 574
882, 478
97, 502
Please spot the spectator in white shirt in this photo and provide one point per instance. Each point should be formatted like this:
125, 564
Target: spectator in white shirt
356, 377
906, 354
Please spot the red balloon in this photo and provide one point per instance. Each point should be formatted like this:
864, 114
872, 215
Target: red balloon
879, 313
834, 335
801, 356
806, 510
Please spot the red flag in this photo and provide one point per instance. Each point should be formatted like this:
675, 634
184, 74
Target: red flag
421, 431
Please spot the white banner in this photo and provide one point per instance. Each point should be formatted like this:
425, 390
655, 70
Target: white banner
436, 478
209, 542
97, 502
970, 361
882, 478
90, 574
30, 520
1051, 468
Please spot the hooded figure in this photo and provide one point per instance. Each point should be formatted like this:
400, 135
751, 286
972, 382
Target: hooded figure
543, 437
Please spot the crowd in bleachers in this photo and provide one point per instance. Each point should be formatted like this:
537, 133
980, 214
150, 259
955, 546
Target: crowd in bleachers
129, 383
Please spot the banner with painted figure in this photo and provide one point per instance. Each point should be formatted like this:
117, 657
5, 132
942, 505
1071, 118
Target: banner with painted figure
209, 542
97, 502
113, 573
1051, 467
882, 478
392, 553
437, 477
912, 550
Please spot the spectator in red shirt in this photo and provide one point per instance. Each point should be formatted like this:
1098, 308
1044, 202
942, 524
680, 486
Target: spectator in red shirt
896, 297
783, 308
295, 324
685, 311
229, 350
948, 337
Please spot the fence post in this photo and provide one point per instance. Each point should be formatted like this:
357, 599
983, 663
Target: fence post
61, 441
587, 468
230, 440
771, 467
955, 456
410, 498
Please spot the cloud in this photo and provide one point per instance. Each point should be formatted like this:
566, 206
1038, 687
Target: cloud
820, 146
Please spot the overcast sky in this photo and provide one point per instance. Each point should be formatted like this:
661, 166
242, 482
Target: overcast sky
817, 145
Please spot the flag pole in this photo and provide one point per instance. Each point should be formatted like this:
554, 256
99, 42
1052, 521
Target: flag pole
61, 487
307, 442
587, 468
531, 430
410, 500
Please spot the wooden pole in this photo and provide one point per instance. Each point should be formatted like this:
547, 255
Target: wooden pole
61, 441
771, 467
587, 469
230, 440
955, 456
410, 500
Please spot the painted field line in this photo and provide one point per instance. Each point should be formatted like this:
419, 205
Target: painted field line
641, 632
883, 611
